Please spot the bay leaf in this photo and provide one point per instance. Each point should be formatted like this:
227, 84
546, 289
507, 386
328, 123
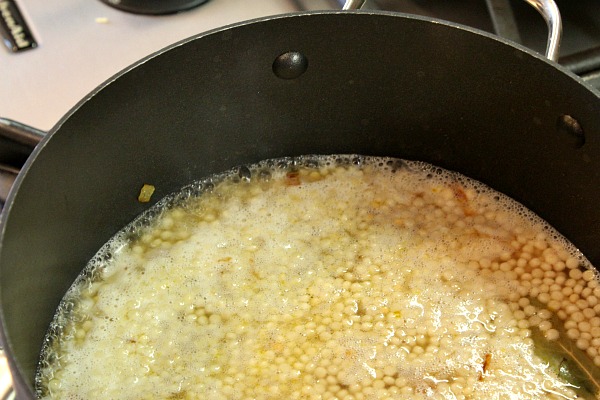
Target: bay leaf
566, 360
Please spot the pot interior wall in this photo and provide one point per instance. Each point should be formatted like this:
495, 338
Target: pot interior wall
375, 84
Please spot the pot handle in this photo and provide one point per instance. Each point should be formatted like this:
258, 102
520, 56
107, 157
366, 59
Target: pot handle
547, 8
353, 4
17, 141
20, 133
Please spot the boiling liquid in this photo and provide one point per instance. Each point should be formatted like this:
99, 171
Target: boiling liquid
333, 277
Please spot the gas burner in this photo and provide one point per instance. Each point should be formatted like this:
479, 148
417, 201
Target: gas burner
154, 6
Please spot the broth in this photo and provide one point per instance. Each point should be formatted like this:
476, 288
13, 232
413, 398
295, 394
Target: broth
343, 277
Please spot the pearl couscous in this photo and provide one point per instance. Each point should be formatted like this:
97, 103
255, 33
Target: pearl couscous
330, 278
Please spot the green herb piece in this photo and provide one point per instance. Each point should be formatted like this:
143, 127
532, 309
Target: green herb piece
566, 360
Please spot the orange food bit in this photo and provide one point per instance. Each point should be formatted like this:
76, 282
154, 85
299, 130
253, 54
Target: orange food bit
461, 196
486, 365
292, 178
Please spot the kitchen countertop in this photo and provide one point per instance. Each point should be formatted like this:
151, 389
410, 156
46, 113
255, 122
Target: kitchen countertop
82, 43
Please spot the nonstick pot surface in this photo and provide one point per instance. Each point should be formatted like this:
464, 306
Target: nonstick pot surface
375, 84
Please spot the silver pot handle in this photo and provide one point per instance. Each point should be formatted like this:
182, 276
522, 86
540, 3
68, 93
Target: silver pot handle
353, 4
547, 8
20, 133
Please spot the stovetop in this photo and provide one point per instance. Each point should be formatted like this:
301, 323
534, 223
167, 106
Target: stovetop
518, 21
82, 43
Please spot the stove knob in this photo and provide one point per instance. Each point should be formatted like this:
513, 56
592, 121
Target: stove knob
154, 6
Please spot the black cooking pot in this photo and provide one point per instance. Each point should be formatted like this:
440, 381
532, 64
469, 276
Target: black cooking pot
319, 83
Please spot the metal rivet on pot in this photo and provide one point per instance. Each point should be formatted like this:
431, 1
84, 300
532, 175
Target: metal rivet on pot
567, 125
290, 65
